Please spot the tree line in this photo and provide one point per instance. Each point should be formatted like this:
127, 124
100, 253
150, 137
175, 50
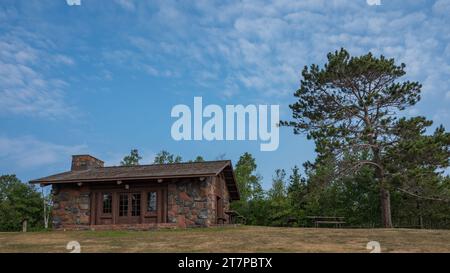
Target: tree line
370, 159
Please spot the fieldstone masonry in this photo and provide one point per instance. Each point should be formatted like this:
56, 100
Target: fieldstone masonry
191, 203
71, 206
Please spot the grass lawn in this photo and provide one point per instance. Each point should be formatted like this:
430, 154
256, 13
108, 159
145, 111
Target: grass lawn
230, 239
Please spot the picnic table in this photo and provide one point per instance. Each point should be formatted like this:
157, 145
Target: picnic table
337, 221
221, 220
235, 217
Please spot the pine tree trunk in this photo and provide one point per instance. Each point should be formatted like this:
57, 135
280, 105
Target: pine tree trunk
385, 197
386, 218
420, 218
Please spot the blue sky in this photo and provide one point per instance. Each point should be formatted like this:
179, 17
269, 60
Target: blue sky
101, 78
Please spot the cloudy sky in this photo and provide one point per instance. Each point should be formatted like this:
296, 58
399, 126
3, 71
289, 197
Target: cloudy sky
102, 77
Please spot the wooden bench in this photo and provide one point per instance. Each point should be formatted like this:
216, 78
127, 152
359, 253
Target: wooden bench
337, 221
235, 217
291, 221
221, 220
241, 219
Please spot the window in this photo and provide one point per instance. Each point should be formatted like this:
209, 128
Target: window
151, 201
123, 205
107, 203
135, 204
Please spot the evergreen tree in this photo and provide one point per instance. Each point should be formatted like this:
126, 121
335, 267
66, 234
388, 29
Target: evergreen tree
164, 157
297, 189
252, 204
415, 167
279, 206
198, 159
247, 179
278, 191
132, 159
349, 106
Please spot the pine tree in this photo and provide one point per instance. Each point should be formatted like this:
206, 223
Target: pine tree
164, 157
349, 107
132, 159
297, 190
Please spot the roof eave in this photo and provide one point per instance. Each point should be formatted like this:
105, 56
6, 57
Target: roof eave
66, 181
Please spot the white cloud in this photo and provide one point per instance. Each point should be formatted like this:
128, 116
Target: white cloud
447, 95
59, 58
441, 116
126, 4
73, 2
26, 88
258, 48
413, 111
442, 7
27, 152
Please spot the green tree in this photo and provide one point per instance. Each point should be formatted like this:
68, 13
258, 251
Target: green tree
252, 204
164, 157
19, 201
417, 156
248, 180
132, 159
278, 191
356, 198
414, 166
349, 107
297, 189
279, 206
199, 158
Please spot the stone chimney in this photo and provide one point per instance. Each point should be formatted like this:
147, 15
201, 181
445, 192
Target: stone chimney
85, 162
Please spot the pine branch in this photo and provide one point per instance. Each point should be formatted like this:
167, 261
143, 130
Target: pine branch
424, 197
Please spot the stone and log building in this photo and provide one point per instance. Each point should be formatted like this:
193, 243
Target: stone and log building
91, 196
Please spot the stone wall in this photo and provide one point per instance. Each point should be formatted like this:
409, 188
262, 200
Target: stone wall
84, 162
192, 203
219, 188
71, 206
187, 203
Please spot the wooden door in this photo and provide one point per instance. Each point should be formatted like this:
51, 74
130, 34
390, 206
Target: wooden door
129, 208
219, 209
102, 208
124, 205
135, 208
139, 205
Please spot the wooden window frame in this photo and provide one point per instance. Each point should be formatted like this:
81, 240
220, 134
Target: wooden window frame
127, 205
136, 204
147, 195
161, 213
111, 205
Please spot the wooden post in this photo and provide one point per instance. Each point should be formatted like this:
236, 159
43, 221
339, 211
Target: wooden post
24, 225
143, 208
115, 207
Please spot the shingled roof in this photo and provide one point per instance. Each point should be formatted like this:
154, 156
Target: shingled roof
154, 171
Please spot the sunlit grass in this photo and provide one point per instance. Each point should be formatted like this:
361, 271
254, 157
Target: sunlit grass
230, 239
